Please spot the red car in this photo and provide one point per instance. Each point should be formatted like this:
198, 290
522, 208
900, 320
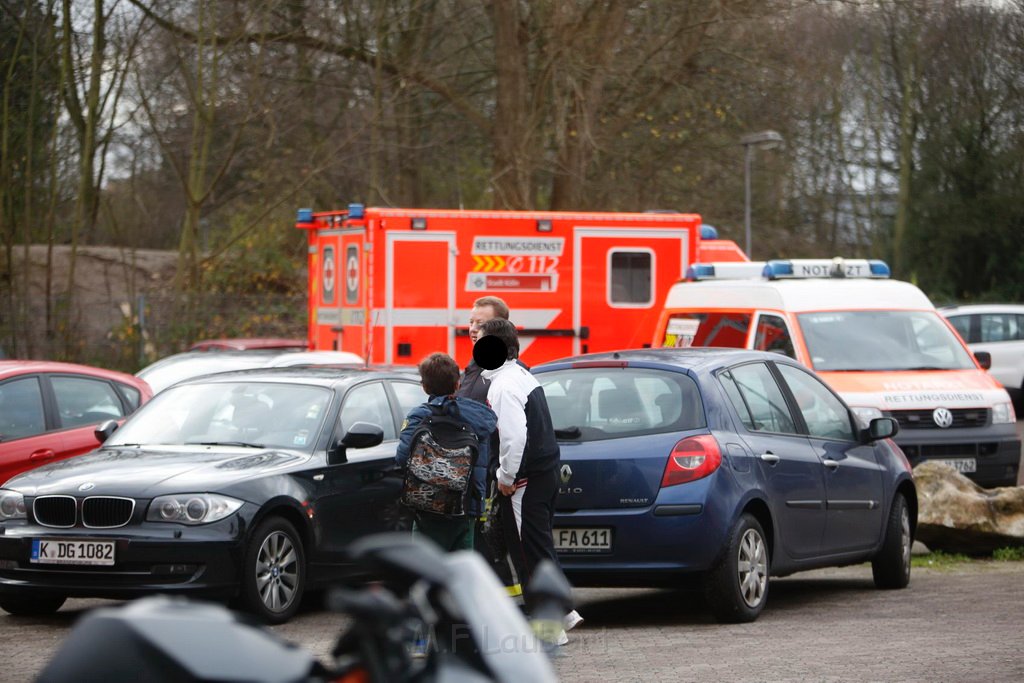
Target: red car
250, 344
48, 410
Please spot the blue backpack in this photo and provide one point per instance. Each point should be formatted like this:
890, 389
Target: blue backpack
442, 453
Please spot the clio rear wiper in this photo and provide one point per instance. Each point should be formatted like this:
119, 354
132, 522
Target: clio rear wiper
568, 433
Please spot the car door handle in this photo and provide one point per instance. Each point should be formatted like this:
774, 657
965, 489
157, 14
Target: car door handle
45, 454
770, 458
829, 463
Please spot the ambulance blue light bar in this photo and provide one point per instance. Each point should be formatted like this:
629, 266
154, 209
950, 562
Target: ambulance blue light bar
825, 268
725, 270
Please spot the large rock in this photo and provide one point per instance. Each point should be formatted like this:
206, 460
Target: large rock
956, 515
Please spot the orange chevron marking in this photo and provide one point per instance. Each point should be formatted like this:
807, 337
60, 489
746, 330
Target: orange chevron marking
488, 263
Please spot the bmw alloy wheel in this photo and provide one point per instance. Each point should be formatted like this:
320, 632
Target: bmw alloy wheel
752, 567
277, 572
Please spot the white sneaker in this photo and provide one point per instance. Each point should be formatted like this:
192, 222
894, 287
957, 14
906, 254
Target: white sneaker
572, 620
563, 637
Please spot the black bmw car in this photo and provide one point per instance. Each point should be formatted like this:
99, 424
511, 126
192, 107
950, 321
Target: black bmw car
244, 485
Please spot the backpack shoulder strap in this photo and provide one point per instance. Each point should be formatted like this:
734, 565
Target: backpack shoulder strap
457, 413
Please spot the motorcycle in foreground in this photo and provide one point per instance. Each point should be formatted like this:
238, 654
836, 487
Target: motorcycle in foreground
475, 632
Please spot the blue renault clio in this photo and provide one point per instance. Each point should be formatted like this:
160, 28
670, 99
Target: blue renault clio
725, 465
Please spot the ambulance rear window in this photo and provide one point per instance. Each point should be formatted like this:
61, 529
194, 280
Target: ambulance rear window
630, 278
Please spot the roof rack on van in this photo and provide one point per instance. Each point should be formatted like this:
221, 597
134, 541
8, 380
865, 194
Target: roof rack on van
784, 269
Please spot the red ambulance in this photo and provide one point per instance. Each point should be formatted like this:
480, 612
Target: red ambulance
394, 285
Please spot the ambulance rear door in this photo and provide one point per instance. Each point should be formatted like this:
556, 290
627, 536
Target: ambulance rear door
620, 276
353, 268
326, 321
419, 295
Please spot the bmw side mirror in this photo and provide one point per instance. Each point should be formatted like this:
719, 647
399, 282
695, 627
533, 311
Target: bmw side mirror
362, 435
359, 435
984, 359
104, 430
882, 428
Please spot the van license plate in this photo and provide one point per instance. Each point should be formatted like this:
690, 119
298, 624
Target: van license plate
569, 540
72, 551
962, 465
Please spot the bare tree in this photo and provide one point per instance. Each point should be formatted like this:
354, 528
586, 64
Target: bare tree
552, 69
93, 77
28, 124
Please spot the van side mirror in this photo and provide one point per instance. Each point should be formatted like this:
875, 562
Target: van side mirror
359, 435
882, 428
984, 359
104, 430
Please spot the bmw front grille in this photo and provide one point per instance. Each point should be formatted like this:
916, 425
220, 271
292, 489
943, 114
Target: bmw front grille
97, 512
106, 512
55, 511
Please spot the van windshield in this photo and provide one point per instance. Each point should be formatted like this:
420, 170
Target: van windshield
881, 340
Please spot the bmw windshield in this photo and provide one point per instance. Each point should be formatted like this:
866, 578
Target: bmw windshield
245, 414
881, 341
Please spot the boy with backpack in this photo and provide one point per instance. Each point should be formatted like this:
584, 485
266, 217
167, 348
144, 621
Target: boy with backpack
444, 449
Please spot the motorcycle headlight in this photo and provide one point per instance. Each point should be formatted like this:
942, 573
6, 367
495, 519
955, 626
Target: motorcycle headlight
866, 414
1002, 413
191, 508
12, 505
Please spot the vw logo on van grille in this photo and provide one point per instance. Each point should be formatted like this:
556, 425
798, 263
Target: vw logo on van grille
943, 417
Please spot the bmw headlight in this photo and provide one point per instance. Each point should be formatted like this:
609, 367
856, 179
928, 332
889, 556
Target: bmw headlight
191, 508
12, 505
866, 414
1002, 413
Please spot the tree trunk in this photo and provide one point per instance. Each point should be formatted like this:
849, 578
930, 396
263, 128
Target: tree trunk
512, 171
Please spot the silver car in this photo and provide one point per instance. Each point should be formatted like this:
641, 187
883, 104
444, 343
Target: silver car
997, 329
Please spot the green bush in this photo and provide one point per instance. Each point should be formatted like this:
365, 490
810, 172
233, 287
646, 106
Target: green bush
938, 560
1014, 554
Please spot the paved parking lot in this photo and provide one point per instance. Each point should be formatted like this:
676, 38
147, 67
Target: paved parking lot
959, 624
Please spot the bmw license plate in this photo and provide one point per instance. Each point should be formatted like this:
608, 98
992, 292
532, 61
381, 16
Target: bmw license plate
72, 551
962, 465
575, 540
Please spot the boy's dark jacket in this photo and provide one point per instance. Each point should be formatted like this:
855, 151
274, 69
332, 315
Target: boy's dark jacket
480, 419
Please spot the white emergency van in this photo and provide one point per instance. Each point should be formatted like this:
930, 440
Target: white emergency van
879, 343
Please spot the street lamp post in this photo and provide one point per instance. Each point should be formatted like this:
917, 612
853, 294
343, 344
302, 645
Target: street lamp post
766, 139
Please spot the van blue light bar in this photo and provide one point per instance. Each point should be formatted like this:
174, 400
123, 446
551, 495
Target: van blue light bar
879, 268
825, 268
356, 210
700, 271
304, 216
725, 270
